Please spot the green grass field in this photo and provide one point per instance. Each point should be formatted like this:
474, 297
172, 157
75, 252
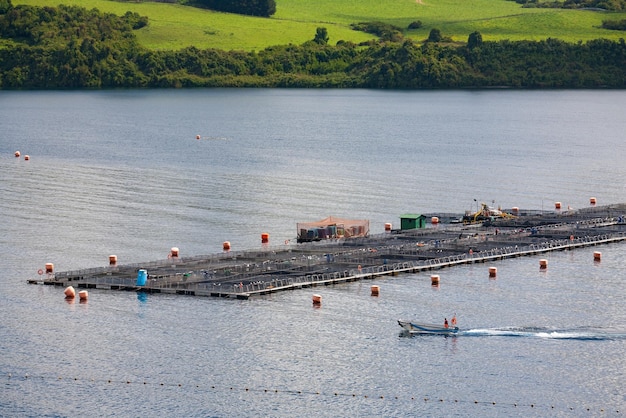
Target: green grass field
174, 26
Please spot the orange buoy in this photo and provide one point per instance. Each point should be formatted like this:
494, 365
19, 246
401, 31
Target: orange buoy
69, 292
174, 252
112, 260
265, 238
557, 205
543, 264
49, 268
226, 246
434, 220
83, 295
597, 256
17, 154
26, 157
434, 279
493, 271
515, 210
375, 290
592, 201
387, 227
198, 137
317, 299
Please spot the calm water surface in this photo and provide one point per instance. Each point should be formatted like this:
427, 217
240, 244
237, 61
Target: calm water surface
121, 172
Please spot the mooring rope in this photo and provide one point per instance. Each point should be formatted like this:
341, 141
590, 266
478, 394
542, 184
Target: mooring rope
226, 388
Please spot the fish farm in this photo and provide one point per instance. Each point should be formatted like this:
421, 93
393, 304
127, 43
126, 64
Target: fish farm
446, 241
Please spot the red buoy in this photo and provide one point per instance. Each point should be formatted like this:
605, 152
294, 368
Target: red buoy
597, 256
317, 299
70, 293
493, 271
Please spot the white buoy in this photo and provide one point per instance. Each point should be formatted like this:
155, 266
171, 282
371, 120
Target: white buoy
83, 295
174, 252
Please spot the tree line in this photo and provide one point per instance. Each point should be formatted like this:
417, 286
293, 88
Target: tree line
609, 5
263, 8
69, 47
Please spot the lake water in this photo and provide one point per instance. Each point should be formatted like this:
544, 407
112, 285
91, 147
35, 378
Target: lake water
121, 172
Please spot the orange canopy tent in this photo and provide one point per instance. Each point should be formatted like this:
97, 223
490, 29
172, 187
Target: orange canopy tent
332, 227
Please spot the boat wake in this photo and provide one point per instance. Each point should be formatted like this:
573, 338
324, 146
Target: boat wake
581, 334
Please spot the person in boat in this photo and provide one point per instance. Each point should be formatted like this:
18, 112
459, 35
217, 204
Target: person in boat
445, 323
453, 320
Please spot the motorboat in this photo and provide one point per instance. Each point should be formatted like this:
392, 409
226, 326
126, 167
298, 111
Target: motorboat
422, 328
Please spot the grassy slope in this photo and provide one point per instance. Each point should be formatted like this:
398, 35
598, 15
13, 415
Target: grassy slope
174, 26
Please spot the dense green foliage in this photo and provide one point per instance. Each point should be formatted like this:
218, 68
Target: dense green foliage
614, 24
263, 8
70, 47
384, 31
321, 36
612, 5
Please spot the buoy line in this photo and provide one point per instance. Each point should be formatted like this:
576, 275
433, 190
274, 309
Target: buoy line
226, 388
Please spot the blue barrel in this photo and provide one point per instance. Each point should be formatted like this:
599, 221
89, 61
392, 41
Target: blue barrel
142, 277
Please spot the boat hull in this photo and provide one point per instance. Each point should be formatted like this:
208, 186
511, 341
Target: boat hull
421, 328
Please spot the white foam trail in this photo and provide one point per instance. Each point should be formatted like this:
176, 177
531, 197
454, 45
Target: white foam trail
533, 332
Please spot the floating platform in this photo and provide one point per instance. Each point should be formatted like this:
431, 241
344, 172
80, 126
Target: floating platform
244, 274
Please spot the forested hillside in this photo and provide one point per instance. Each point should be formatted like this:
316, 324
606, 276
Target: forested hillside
71, 48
